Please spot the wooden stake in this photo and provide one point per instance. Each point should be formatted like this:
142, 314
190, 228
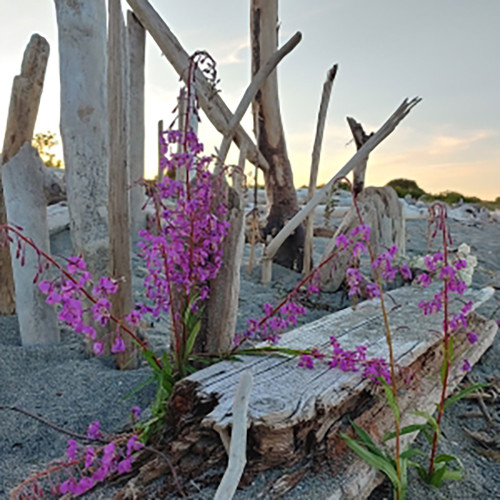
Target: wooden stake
119, 222
359, 171
313, 179
23, 110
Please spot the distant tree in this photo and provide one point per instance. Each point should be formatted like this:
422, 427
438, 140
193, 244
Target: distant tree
43, 144
406, 186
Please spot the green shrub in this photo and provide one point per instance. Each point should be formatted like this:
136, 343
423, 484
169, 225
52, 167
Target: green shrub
406, 186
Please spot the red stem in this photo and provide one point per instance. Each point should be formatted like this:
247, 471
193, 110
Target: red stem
123, 326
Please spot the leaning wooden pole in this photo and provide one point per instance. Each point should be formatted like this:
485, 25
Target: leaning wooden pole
316, 153
119, 221
211, 102
382, 133
360, 137
23, 110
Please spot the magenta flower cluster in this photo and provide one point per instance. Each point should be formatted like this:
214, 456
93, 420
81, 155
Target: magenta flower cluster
350, 361
436, 267
184, 252
90, 466
69, 295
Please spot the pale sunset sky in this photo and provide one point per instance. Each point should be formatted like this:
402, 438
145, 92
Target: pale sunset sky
445, 51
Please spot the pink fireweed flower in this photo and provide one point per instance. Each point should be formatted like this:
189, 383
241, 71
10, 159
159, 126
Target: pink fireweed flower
125, 465
306, 361
372, 291
429, 263
363, 231
106, 286
72, 449
133, 444
405, 272
472, 337
134, 318
466, 367
342, 241
424, 280
90, 456
98, 348
353, 280
447, 273
118, 345
93, 431
75, 264
101, 311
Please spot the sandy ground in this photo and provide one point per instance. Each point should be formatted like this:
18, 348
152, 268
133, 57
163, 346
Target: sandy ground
62, 385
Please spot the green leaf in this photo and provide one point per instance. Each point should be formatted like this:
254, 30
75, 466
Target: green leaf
453, 475
139, 387
411, 452
193, 333
461, 394
367, 440
404, 430
444, 457
443, 369
375, 461
436, 478
430, 419
391, 400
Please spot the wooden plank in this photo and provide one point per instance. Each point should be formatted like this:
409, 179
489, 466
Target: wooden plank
294, 412
119, 220
23, 109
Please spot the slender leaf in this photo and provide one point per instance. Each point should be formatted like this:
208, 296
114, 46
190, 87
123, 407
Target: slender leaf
461, 394
139, 387
430, 419
391, 400
411, 452
436, 478
367, 441
404, 430
375, 461
193, 333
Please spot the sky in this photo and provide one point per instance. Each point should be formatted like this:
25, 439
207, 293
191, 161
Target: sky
445, 51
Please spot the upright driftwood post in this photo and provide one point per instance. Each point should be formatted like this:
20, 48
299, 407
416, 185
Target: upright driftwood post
23, 184
23, 109
313, 179
84, 126
280, 191
136, 43
119, 222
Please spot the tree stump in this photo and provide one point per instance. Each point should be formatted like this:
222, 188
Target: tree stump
382, 211
23, 184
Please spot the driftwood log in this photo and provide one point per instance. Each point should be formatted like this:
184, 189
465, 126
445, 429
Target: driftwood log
24, 103
118, 206
382, 211
297, 414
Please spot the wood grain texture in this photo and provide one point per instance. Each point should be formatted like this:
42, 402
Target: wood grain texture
296, 413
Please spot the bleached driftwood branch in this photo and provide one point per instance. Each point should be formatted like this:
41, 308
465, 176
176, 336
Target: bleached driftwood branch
238, 447
385, 130
251, 91
313, 179
211, 102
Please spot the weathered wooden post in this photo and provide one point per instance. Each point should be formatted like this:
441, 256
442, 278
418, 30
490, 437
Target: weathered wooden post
23, 185
360, 137
136, 43
316, 153
24, 103
119, 221
84, 126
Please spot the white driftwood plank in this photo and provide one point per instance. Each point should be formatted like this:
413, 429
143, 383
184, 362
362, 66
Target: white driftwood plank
287, 394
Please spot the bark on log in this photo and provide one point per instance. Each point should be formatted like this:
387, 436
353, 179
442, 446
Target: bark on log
384, 131
23, 110
119, 221
84, 126
313, 179
382, 211
23, 185
280, 191
211, 102
298, 413
136, 43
